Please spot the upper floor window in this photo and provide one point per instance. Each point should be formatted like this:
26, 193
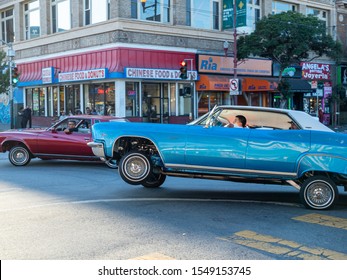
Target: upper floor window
153, 10
282, 7
61, 15
32, 19
203, 14
321, 14
253, 13
96, 11
7, 26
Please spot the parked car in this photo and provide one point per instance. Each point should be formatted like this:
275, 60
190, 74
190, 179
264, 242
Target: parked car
53, 142
310, 156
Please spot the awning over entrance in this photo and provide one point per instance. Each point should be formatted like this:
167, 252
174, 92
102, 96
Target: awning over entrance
251, 84
298, 85
213, 83
221, 83
115, 60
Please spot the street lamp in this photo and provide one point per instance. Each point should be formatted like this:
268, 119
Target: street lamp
10, 54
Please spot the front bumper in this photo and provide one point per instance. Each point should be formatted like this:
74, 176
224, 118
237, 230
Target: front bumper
98, 149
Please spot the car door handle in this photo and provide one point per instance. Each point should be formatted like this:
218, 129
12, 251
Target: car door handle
86, 139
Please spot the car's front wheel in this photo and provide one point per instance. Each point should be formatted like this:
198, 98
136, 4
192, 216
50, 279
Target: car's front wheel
134, 167
318, 192
19, 155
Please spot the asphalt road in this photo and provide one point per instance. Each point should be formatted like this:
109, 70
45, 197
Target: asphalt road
78, 210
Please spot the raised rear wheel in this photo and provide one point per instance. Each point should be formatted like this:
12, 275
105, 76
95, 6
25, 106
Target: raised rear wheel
318, 192
134, 167
19, 155
154, 180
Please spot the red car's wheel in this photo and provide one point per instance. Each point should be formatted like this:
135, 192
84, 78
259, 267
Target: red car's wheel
19, 156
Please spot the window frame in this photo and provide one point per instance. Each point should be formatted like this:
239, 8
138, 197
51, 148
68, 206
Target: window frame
55, 15
27, 12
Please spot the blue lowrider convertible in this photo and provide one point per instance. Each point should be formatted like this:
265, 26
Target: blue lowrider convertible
277, 146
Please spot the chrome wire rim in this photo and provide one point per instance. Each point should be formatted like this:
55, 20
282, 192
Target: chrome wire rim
136, 168
320, 194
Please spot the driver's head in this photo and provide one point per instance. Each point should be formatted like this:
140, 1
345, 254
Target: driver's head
71, 124
240, 121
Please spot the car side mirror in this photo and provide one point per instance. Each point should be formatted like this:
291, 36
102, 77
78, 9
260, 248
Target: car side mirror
53, 130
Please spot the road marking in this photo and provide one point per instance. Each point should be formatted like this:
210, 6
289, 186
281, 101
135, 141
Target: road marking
323, 220
141, 199
282, 247
154, 256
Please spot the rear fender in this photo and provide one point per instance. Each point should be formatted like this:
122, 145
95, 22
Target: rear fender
322, 162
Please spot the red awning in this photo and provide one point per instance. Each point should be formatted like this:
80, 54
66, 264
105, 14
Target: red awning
115, 60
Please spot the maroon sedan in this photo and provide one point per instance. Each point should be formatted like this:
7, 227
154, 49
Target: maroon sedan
55, 142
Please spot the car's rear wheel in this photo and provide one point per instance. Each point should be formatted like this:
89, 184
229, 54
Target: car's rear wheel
19, 155
134, 167
318, 192
154, 180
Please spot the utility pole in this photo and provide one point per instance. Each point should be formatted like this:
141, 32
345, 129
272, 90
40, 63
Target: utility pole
235, 46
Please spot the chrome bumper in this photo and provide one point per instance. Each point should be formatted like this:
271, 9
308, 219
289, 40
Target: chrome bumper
98, 149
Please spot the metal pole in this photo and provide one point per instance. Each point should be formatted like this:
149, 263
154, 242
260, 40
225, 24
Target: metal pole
10, 54
235, 47
11, 94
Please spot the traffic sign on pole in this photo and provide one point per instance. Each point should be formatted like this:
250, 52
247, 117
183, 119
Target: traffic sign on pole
234, 86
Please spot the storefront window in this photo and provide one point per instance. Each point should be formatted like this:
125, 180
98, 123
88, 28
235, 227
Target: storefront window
184, 101
132, 99
173, 109
62, 98
207, 100
151, 102
73, 100
100, 99
55, 102
36, 97
29, 98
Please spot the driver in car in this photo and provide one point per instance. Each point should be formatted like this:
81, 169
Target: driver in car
71, 126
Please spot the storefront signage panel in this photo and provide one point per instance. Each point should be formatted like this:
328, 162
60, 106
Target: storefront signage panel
47, 75
157, 74
315, 71
94, 74
225, 65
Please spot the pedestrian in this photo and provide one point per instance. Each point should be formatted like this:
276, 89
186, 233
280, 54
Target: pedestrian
62, 115
26, 117
320, 115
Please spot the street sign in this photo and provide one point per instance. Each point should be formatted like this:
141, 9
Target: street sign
228, 13
234, 87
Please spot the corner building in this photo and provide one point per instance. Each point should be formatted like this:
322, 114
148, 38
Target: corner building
123, 58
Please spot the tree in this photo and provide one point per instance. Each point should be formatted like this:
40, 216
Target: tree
4, 73
288, 38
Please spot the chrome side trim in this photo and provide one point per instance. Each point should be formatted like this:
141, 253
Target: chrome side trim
60, 156
224, 169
